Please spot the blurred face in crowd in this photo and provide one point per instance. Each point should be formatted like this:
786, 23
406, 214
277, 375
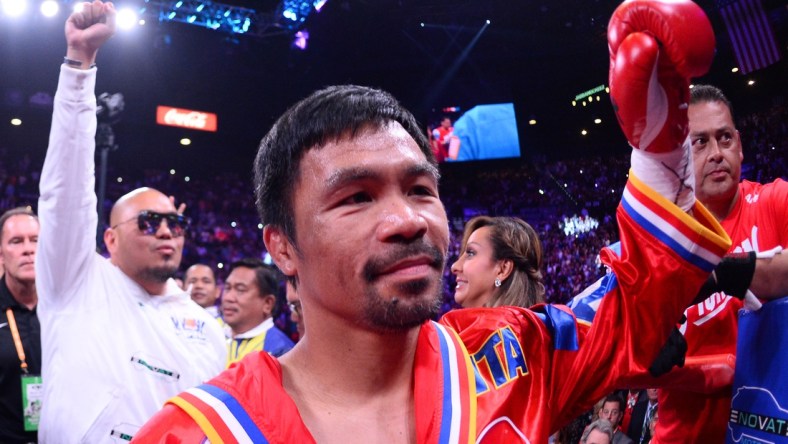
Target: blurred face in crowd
369, 207
611, 410
716, 150
295, 309
446, 123
146, 258
243, 307
203, 285
18, 243
476, 270
652, 394
597, 437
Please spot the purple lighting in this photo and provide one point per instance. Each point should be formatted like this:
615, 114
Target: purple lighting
301, 39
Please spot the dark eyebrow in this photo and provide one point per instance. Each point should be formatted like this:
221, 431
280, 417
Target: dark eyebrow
346, 176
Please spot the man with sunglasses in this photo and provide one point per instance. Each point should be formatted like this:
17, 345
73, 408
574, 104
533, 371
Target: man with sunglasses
119, 337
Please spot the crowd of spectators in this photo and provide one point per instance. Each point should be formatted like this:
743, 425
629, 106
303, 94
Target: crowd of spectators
225, 226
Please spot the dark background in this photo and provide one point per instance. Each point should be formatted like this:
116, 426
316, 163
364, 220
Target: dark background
537, 54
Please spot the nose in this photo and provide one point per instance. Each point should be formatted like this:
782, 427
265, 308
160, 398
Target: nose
402, 221
714, 152
164, 231
456, 266
29, 247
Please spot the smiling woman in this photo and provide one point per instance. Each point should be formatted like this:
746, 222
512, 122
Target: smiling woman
499, 264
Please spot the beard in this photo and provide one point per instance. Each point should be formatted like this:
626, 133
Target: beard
406, 305
159, 274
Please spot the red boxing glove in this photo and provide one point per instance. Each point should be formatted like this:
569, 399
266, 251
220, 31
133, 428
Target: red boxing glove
656, 46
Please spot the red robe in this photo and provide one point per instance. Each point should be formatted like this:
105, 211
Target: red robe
499, 374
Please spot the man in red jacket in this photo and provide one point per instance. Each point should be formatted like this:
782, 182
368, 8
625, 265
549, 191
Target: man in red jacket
353, 217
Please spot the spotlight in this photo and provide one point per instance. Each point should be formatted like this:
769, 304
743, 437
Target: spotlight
597, 121
16, 122
751, 82
49, 8
126, 18
186, 141
584, 132
532, 122
14, 8
735, 69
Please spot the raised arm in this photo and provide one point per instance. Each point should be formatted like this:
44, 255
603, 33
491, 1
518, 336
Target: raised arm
67, 206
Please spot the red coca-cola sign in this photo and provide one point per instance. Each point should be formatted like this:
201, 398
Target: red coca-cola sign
186, 118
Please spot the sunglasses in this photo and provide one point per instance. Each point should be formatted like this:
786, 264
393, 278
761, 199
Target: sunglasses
149, 222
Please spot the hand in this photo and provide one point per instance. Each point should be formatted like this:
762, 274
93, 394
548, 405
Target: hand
88, 29
181, 207
733, 276
672, 353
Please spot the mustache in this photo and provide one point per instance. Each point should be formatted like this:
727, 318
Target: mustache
377, 265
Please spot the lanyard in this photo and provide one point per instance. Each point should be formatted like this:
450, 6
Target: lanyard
17, 341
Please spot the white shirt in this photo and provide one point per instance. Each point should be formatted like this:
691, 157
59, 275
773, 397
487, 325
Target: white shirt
112, 353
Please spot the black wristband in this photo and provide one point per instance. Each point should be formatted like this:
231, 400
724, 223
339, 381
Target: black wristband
734, 273
75, 63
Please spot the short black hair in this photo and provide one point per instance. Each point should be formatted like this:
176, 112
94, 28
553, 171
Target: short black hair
709, 93
25, 211
266, 276
615, 398
327, 115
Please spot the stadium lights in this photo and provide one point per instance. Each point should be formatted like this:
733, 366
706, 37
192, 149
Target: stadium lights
49, 8
16, 122
126, 18
735, 69
14, 8
186, 141
750, 82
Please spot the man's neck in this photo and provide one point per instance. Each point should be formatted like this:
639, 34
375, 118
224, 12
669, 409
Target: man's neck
246, 328
23, 292
722, 208
329, 374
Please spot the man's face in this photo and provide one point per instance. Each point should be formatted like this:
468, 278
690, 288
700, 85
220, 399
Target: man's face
716, 152
612, 412
597, 437
18, 248
446, 123
372, 234
243, 307
653, 394
147, 257
203, 285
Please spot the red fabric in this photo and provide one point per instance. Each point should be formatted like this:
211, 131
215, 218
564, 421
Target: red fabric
758, 221
536, 368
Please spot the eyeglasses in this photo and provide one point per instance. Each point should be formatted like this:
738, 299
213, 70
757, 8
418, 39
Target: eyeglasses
295, 307
149, 222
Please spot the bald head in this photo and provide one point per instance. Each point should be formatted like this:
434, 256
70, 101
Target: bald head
131, 203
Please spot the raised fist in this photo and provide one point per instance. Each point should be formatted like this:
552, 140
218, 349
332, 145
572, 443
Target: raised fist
656, 46
88, 29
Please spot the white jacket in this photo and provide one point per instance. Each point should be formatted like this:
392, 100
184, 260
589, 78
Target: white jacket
112, 353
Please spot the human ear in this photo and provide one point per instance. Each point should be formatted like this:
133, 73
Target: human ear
505, 268
281, 250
